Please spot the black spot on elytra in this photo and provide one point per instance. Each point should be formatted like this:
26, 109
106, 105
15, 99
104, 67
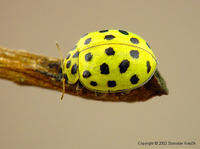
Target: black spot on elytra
85, 35
109, 37
123, 32
104, 69
88, 57
111, 83
123, 66
87, 41
74, 69
68, 56
134, 54
68, 64
76, 54
93, 83
134, 79
86, 74
109, 51
148, 67
134, 40
148, 45
103, 31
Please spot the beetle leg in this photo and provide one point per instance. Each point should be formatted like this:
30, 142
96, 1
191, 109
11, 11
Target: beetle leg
79, 87
125, 92
97, 93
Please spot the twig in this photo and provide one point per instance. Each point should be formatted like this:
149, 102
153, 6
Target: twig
25, 68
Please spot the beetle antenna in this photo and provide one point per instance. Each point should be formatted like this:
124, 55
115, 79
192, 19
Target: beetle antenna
62, 66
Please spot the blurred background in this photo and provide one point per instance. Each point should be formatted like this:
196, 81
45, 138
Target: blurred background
33, 117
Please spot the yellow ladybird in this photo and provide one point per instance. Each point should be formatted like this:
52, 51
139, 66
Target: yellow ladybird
110, 61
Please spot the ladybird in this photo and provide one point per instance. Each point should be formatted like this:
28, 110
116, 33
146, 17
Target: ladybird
110, 61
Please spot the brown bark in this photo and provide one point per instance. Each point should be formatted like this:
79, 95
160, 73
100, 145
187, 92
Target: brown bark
25, 68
